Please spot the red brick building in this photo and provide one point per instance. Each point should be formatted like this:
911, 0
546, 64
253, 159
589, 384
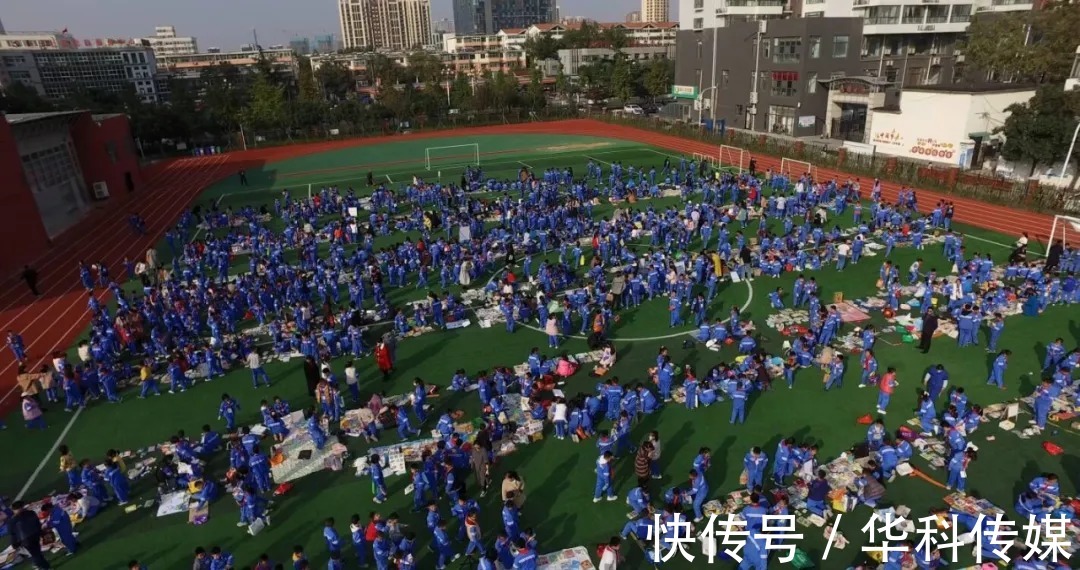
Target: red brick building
58, 168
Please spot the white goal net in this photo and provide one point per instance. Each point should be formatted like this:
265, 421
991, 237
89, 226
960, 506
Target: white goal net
1065, 230
795, 169
436, 157
734, 158
700, 158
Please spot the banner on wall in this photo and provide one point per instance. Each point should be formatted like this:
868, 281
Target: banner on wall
891, 141
807, 121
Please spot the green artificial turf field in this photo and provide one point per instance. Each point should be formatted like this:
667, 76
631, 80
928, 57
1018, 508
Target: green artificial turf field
559, 474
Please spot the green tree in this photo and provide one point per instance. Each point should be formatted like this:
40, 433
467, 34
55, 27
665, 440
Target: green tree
384, 70
424, 67
562, 84
595, 79
336, 80
1041, 129
658, 77
622, 79
586, 35
18, 98
542, 47
535, 94
460, 91
265, 109
616, 39
1035, 46
309, 91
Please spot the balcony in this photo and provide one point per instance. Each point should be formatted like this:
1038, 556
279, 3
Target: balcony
752, 8
1008, 6
891, 26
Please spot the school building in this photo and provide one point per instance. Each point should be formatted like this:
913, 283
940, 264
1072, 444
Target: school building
58, 167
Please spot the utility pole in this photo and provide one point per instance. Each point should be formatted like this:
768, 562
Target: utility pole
757, 73
712, 102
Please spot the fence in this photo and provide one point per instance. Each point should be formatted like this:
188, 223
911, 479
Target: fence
382, 125
1027, 195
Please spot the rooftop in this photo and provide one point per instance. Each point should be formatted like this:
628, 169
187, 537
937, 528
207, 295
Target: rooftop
23, 118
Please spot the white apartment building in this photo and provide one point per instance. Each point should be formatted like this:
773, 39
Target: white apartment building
655, 10
385, 24
165, 42
1073, 82
639, 33
704, 14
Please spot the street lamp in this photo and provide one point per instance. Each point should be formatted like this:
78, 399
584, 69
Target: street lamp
701, 105
448, 74
1068, 155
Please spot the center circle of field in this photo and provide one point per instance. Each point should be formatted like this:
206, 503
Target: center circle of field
742, 309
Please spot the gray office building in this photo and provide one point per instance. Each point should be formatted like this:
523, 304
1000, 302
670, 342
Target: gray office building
796, 59
490, 16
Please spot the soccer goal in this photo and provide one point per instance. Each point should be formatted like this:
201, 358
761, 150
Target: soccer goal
795, 169
453, 155
733, 157
1065, 229
705, 158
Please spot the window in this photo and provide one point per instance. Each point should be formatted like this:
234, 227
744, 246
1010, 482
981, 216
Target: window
110, 149
814, 15
815, 47
699, 49
699, 4
784, 83
781, 119
839, 46
765, 48
725, 77
787, 50
961, 13
811, 84
699, 23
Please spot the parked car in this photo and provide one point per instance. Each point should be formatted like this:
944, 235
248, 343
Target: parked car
634, 109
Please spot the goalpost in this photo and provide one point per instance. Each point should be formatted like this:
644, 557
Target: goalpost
795, 169
705, 158
1065, 229
734, 157
453, 155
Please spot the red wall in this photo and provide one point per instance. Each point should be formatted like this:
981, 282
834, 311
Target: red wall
92, 138
20, 221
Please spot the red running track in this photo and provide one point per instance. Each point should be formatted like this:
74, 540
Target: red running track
54, 320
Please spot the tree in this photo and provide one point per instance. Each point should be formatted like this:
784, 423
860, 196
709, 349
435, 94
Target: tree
542, 47
616, 39
384, 70
659, 77
586, 35
1035, 46
266, 107
504, 90
309, 91
336, 80
460, 91
562, 84
595, 79
1041, 128
19, 98
535, 94
622, 80
425, 67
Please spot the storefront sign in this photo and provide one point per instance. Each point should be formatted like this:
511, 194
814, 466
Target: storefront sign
684, 92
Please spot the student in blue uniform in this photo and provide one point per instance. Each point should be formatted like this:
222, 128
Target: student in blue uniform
227, 411
605, 483
997, 369
754, 463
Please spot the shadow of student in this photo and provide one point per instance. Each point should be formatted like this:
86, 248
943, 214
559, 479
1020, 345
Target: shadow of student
1030, 471
1040, 352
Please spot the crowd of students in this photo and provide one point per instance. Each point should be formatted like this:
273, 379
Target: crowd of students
314, 274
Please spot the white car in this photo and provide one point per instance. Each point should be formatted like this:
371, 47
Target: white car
633, 109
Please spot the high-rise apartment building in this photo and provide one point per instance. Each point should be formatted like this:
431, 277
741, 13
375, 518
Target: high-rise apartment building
633, 17
490, 16
655, 10
300, 46
906, 42
385, 24
165, 42
324, 43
